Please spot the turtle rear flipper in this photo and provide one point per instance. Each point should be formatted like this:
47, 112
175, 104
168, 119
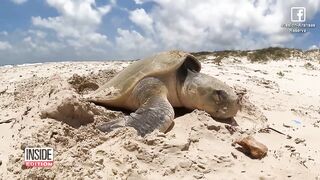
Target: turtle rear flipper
155, 111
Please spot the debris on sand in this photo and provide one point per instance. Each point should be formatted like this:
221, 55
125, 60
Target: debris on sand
252, 147
213, 125
7, 121
298, 140
231, 129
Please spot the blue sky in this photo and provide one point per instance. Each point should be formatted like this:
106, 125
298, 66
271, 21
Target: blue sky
63, 30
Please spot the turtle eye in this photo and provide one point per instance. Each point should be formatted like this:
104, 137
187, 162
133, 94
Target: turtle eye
219, 95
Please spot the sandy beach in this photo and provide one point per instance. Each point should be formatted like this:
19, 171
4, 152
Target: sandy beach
283, 95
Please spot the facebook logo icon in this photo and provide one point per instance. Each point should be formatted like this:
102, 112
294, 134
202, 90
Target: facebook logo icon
298, 14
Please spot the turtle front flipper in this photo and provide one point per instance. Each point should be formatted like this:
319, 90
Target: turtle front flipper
155, 111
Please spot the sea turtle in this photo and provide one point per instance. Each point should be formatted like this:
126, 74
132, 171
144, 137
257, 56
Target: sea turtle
153, 86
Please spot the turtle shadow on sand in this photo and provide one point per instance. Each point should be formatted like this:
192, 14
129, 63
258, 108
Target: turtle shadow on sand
179, 111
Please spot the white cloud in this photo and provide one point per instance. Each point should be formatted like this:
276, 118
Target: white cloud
139, 1
211, 24
77, 22
142, 1
131, 44
313, 47
19, 1
113, 2
37, 33
84, 11
59, 25
29, 41
92, 40
142, 19
4, 45
4, 33
34, 44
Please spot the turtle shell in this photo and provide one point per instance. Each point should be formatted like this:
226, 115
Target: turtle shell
120, 86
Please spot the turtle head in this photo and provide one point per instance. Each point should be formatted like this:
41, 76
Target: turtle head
207, 93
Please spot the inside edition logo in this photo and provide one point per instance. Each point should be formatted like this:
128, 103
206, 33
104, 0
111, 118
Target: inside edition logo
38, 157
